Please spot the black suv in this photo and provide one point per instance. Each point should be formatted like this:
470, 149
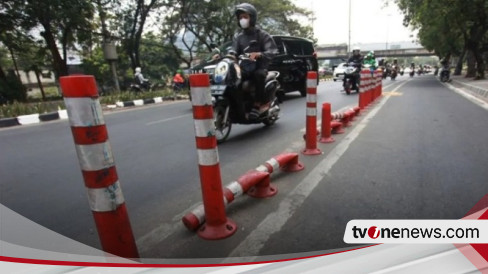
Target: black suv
296, 56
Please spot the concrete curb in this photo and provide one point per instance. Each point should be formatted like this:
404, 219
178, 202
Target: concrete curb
62, 114
481, 92
33, 118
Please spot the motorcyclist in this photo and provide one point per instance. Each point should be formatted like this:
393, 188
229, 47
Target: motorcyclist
140, 80
394, 69
262, 52
370, 60
357, 59
178, 81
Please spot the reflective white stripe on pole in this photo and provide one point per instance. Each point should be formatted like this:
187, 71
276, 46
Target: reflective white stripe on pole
84, 112
311, 111
95, 157
105, 199
311, 83
208, 157
204, 128
201, 96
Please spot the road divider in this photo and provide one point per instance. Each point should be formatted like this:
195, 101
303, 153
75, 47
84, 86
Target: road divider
97, 165
217, 225
311, 119
255, 183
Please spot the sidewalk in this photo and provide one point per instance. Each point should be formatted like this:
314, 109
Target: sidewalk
477, 88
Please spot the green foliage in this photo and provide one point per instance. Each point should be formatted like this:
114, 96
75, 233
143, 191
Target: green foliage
205, 22
449, 27
16, 109
11, 89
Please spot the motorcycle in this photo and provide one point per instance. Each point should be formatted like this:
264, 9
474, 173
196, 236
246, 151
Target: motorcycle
393, 73
233, 98
412, 72
144, 86
445, 74
351, 77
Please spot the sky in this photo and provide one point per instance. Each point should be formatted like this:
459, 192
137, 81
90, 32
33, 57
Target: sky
371, 22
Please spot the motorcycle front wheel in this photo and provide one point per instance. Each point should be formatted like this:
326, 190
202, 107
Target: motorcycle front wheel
222, 128
347, 87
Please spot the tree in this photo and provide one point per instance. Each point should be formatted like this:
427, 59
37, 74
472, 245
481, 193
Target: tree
134, 20
196, 25
63, 22
450, 27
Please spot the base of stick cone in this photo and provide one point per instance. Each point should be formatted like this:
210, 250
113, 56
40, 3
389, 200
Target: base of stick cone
311, 151
336, 127
262, 192
293, 167
326, 140
190, 221
209, 232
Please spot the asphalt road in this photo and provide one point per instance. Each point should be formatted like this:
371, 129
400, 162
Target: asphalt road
422, 155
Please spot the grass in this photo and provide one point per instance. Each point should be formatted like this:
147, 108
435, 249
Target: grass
54, 101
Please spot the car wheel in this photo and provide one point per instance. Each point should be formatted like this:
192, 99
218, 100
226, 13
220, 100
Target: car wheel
303, 89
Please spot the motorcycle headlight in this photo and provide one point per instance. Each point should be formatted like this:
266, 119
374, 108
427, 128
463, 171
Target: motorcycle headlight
221, 72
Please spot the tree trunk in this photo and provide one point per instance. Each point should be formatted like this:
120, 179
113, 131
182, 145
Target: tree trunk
459, 66
2, 74
15, 63
39, 83
480, 64
471, 64
59, 64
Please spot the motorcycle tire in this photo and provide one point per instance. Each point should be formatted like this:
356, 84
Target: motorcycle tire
269, 121
222, 128
347, 87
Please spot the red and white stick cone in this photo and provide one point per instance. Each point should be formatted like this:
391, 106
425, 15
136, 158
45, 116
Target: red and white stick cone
311, 123
326, 129
98, 166
287, 162
217, 225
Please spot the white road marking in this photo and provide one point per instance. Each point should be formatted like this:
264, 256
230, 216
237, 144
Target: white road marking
273, 223
167, 119
160, 233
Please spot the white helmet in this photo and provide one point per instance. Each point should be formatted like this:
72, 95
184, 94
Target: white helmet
138, 70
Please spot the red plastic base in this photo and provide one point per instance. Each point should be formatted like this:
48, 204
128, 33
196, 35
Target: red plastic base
190, 221
293, 167
336, 127
314, 151
262, 192
223, 231
327, 140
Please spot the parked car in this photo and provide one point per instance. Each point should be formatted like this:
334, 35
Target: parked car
338, 73
296, 56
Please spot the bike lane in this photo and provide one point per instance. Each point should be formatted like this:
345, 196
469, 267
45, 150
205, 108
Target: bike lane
422, 155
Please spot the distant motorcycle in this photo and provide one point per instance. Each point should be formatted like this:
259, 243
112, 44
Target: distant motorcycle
412, 72
144, 86
351, 77
445, 74
393, 73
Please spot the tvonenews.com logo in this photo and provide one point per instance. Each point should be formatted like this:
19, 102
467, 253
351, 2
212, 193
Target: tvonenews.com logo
416, 231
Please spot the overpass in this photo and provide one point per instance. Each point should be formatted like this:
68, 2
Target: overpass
340, 52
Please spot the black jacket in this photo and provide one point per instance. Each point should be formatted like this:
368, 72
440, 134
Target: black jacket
266, 45
356, 59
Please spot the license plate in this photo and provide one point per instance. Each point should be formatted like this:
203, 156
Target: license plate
217, 88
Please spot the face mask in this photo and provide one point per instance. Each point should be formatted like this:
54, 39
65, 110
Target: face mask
244, 23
